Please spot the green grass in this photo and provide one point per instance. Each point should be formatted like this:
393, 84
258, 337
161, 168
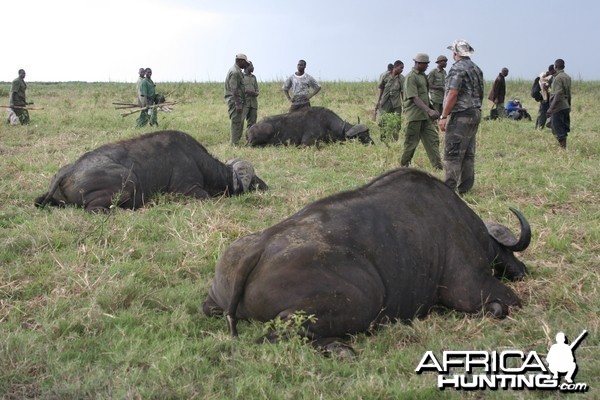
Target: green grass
107, 306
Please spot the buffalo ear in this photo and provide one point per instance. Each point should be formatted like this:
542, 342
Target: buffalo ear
506, 238
501, 234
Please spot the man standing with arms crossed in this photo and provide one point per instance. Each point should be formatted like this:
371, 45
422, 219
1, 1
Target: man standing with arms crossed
461, 117
234, 97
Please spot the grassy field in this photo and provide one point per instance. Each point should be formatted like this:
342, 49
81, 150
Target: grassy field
107, 306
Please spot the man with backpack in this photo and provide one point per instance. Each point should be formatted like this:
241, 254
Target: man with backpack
540, 91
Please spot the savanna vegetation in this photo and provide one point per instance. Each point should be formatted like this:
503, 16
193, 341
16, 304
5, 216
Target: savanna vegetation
106, 306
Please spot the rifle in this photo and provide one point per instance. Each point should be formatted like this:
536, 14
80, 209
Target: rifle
576, 342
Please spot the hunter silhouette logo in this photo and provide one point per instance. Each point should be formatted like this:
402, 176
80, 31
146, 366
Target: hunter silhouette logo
507, 369
561, 356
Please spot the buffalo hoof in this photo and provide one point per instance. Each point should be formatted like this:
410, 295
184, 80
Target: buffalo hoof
211, 309
496, 309
332, 346
338, 349
271, 337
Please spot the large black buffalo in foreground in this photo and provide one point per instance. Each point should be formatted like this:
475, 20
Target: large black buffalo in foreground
390, 250
307, 126
128, 173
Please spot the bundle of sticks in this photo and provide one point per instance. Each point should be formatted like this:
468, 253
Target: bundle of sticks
135, 108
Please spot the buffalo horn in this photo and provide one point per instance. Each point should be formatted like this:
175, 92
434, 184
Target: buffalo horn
505, 237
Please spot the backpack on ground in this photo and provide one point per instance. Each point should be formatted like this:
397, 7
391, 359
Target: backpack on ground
536, 90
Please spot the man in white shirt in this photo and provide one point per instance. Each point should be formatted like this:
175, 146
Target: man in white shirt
300, 85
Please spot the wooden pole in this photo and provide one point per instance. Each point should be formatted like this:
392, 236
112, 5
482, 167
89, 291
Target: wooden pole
23, 107
166, 103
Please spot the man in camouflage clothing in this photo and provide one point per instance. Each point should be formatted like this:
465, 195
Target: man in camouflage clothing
391, 94
461, 116
234, 97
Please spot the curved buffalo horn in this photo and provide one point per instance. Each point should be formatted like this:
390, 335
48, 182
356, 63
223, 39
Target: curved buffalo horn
505, 237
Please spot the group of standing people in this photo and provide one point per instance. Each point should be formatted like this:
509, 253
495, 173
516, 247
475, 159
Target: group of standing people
241, 94
452, 98
146, 91
554, 98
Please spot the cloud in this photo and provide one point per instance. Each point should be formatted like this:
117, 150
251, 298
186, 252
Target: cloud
105, 40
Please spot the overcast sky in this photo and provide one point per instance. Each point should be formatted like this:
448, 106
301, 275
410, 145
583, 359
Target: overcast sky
187, 40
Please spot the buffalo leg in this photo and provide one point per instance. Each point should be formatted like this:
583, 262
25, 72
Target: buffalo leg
98, 201
479, 293
192, 190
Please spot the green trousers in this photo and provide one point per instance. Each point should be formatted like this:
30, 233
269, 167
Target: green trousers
426, 131
237, 124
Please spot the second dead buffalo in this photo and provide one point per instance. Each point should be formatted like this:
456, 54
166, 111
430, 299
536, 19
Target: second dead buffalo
128, 173
305, 127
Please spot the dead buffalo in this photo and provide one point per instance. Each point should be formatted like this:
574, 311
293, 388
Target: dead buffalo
390, 250
129, 172
307, 126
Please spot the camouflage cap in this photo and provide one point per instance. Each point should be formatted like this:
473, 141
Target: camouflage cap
241, 56
462, 48
441, 58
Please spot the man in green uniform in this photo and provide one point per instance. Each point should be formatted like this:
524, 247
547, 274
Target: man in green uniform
138, 85
419, 115
390, 94
234, 97
147, 98
17, 114
250, 112
560, 103
437, 81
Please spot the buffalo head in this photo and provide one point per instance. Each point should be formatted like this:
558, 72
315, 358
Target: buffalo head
506, 264
361, 132
245, 179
